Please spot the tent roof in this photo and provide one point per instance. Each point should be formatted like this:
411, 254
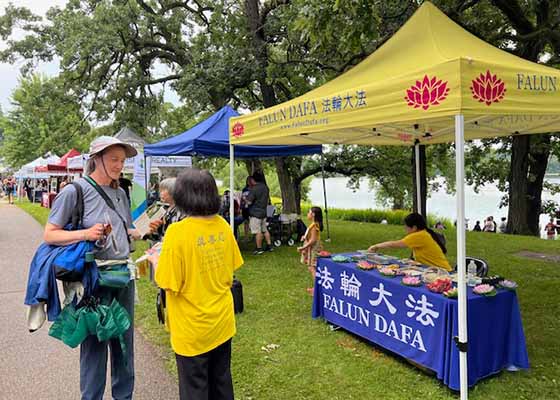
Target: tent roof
71, 153
411, 88
48, 159
28, 170
210, 138
127, 135
59, 165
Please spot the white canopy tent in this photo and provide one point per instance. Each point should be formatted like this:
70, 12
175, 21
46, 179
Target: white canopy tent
28, 170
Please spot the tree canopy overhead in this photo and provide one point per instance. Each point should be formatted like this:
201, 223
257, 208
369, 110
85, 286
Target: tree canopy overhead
117, 57
44, 119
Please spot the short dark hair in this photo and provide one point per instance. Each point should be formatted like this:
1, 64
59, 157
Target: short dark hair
258, 176
196, 193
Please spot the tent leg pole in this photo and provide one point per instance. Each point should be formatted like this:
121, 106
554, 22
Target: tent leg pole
418, 183
461, 253
146, 179
325, 197
231, 186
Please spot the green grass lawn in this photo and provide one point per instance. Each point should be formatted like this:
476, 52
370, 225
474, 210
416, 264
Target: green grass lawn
312, 362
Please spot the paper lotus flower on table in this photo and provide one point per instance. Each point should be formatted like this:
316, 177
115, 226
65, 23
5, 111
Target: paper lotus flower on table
366, 265
324, 253
390, 272
440, 285
411, 281
340, 259
357, 257
509, 285
484, 290
451, 293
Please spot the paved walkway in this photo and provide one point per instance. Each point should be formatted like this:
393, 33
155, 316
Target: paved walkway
36, 366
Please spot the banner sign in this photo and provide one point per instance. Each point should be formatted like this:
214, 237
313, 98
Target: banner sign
171, 161
420, 325
138, 201
407, 321
156, 162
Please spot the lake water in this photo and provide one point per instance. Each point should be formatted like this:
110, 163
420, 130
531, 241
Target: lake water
478, 206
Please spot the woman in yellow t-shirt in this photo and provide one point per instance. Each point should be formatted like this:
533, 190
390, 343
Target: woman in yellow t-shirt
426, 246
198, 258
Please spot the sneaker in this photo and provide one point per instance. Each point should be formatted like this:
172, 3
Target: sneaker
269, 248
258, 252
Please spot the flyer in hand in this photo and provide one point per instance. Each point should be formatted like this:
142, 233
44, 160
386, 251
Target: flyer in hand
154, 212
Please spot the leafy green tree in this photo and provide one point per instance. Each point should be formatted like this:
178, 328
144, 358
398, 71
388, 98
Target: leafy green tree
116, 55
529, 29
44, 118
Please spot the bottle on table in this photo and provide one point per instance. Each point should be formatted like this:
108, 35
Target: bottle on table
471, 273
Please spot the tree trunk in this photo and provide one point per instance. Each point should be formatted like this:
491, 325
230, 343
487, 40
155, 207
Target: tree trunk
252, 165
538, 161
423, 181
297, 196
286, 181
518, 202
287, 186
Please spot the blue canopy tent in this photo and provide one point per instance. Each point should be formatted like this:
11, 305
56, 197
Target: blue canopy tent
210, 138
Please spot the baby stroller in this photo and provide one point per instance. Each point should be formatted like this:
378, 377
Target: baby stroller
282, 227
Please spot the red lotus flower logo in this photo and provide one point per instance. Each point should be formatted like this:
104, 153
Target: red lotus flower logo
488, 88
238, 129
429, 92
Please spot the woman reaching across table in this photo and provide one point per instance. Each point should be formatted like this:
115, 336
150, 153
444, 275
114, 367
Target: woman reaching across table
427, 247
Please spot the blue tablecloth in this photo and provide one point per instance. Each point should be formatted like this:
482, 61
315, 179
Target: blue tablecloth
420, 325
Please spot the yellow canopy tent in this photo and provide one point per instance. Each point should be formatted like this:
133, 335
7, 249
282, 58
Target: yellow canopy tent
411, 88
432, 82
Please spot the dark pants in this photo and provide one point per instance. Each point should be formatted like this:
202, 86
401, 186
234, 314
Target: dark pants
206, 376
93, 355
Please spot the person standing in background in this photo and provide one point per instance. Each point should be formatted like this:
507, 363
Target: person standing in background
10, 185
489, 225
312, 243
258, 199
27, 188
550, 229
249, 182
172, 213
502, 228
125, 184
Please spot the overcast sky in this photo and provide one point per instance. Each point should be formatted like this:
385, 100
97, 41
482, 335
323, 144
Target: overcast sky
10, 73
